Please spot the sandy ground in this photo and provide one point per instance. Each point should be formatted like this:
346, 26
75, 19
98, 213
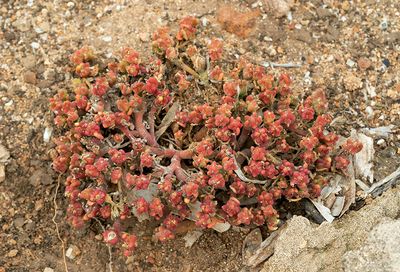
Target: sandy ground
350, 48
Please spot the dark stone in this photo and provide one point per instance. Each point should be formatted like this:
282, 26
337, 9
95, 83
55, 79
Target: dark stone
9, 36
386, 62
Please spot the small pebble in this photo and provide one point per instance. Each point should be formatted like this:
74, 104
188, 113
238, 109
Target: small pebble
271, 51
346, 5
352, 82
35, 45
384, 24
47, 134
369, 111
350, 63
380, 142
72, 252
298, 26
144, 37
48, 269
289, 16
12, 253
394, 93
204, 21
267, 39
107, 38
19, 222
364, 63
70, 5
386, 62
9, 104
30, 77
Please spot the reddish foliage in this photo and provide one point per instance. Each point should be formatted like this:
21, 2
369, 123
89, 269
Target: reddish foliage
258, 144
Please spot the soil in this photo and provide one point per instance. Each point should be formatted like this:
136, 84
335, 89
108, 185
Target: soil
350, 48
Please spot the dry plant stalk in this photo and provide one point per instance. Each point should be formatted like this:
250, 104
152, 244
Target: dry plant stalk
56, 224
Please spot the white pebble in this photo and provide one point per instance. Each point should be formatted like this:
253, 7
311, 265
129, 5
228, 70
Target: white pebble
9, 103
204, 21
380, 142
289, 16
47, 134
369, 111
107, 38
350, 63
35, 45
70, 5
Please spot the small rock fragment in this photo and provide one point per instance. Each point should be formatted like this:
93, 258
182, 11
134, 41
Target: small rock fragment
107, 38
35, 45
12, 253
191, 238
47, 134
323, 12
394, 92
384, 24
380, 142
386, 62
222, 227
29, 62
278, 7
303, 36
251, 243
50, 75
48, 269
144, 37
9, 36
364, 63
346, 5
352, 83
338, 206
19, 222
30, 77
350, 63
271, 51
369, 111
38, 177
70, 5
30, 226
4, 155
72, 252
22, 24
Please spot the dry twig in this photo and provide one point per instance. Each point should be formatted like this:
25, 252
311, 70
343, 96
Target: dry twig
56, 224
282, 65
110, 261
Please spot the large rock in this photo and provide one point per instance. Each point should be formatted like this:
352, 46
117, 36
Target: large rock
380, 252
364, 240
